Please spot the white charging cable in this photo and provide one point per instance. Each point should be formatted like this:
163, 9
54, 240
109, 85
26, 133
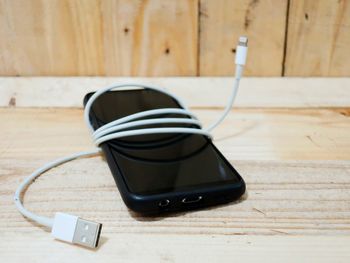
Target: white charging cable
76, 230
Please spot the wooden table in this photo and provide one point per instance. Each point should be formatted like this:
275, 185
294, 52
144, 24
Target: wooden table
289, 139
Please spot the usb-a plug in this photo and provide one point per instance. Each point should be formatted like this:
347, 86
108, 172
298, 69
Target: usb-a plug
76, 230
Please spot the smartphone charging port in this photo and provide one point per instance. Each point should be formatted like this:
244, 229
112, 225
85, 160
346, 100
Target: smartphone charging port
192, 199
164, 203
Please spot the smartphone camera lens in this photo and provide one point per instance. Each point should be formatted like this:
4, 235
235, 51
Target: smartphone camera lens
164, 203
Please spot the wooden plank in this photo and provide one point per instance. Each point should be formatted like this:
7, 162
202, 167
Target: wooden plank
114, 37
283, 134
58, 37
318, 38
178, 248
208, 92
282, 198
222, 21
305, 197
150, 38
293, 210
247, 134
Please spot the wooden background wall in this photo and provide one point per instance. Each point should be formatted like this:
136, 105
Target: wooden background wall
173, 37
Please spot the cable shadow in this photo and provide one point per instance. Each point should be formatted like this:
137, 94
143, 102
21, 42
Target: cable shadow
242, 131
36, 225
102, 241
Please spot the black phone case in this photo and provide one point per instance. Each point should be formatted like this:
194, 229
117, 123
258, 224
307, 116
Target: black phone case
193, 198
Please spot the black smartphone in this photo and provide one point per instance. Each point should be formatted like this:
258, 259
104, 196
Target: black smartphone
163, 172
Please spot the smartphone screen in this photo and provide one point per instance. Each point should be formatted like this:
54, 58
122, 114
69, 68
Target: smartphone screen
160, 163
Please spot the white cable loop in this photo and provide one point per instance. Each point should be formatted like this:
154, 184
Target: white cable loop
112, 130
116, 129
142, 114
123, 127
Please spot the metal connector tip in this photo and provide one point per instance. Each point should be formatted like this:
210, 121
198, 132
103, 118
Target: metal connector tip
87, 233
243, 41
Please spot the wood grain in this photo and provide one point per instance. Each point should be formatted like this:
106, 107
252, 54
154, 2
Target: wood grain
294, 197
179, 248
173, 38
150, 38
296, 205
318, 38
51, 38
223, 21
247, 134
111, 37
304, 198
209, 92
